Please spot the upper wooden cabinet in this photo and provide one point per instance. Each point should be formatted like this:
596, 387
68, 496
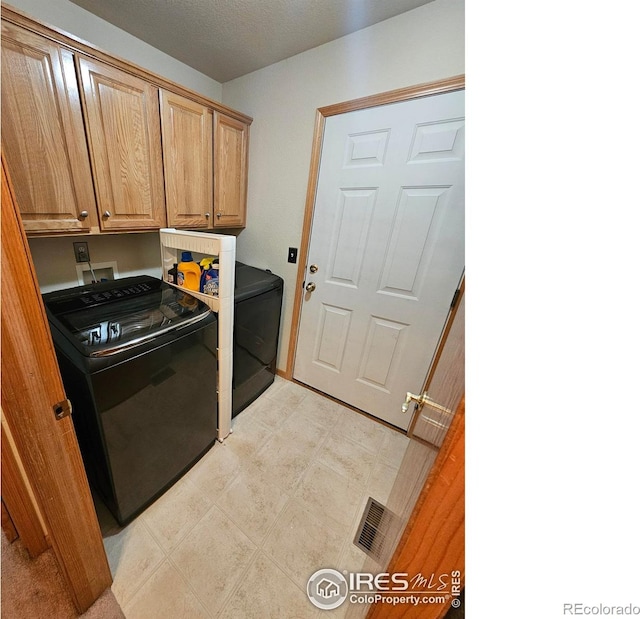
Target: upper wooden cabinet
187, 146
123, 130
230, 147
94, 143
43, 137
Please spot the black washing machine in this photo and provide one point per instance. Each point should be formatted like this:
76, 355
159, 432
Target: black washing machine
138, 360
258, 305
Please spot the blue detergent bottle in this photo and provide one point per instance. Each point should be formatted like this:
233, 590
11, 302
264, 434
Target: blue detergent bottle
210, 277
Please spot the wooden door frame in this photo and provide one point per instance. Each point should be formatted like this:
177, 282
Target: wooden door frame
439, 349
392, 96
45, 442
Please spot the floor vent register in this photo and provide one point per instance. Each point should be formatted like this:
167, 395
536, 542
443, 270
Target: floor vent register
374, 529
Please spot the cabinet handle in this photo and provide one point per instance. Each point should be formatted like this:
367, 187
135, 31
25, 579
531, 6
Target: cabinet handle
107, 214
207, 215
219, 215
83, 215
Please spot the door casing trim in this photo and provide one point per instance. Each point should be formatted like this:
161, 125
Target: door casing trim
392, 96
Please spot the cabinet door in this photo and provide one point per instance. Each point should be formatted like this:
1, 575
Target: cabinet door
230, 144
187, 144
43, 137
123, 128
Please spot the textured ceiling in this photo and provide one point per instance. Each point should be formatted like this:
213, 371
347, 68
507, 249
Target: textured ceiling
225, 39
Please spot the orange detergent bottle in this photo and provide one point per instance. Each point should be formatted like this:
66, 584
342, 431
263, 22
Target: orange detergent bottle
188, 272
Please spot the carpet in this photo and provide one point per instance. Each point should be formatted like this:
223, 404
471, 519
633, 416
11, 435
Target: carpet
34, 588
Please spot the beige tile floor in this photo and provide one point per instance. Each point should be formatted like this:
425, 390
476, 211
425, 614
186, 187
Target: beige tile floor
239, 535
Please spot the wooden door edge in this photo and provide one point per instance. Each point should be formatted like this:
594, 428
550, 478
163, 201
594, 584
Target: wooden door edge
436, 358
433, 541
19, 499
47, 447
392, 96
8, 528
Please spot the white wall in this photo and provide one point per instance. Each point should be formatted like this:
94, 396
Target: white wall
134, 254
420, 46
75, 20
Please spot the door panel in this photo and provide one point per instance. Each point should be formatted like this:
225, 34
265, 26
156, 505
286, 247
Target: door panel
388, 239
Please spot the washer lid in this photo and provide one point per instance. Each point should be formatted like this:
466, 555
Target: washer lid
251, 281
107, 318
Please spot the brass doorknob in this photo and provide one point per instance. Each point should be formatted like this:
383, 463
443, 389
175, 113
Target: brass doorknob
313, 268
421, 400
310, 287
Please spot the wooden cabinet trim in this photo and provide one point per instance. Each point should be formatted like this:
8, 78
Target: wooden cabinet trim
75, 44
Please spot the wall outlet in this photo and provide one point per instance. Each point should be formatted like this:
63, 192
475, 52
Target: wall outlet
81, 250
293, 255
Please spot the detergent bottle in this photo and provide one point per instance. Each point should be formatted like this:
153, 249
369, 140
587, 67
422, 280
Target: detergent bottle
210, 278
188, 272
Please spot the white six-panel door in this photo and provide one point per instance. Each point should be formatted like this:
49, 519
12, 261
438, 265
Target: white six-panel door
388, 242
